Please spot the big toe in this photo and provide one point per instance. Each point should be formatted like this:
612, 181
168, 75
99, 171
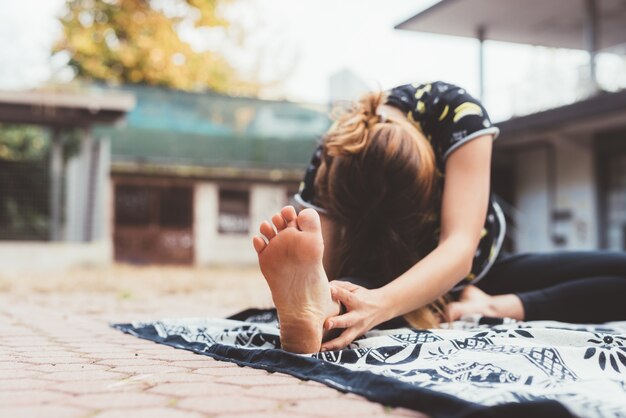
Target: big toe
309, 220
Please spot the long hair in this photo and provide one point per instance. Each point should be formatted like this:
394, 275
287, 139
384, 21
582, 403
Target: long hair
379, 183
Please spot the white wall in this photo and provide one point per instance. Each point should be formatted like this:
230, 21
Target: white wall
213, 248
48, 256
77, 189
531, 174
575, 192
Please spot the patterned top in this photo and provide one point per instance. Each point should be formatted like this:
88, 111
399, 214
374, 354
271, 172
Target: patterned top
449, 118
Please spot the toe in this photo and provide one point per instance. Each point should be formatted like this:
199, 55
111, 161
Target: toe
279, 222
308, 220
259, 244
289, 214
267, 230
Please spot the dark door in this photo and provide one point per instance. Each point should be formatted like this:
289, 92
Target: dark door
153, 224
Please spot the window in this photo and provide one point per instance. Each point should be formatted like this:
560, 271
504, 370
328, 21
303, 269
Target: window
234, 211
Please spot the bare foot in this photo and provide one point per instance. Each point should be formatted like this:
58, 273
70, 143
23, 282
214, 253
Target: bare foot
291, 262
475, 301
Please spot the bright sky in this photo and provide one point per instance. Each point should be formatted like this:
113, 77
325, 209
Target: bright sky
304, 42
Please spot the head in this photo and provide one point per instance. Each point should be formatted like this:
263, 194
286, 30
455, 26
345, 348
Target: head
376, 181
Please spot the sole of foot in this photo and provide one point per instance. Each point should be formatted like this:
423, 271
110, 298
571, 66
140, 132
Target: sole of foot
290, 258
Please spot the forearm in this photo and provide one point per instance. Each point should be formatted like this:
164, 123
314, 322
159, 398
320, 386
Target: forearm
429, 279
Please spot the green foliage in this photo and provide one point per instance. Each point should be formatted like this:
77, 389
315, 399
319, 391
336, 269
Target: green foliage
31, 143
22, 143
24, 180
138, 42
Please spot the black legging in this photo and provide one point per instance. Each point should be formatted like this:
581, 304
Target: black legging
583, 287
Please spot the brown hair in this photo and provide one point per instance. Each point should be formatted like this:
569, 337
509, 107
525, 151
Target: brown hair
378, 182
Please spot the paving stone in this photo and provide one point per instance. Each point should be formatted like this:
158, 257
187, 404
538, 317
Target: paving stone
58, 352
59, 360
23, 384
18, 374
134, 361
147, 413
100, 386
232, 404
150, 380
119, 400
87, 375
272, 414
233, 370
30, 397
269, 379
329, 407
207, 362
68, 367
183, 389
56, 411
292, 392
176, 355
172, 377
155, 368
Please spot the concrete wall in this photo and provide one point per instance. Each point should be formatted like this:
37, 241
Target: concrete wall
576, 191
46, 256
571, 163
78, 189
532, 201
213, 248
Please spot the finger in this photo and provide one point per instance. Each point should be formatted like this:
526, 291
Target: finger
289, 214
342, 295
279, 222
267, 230
341, 321
340, 342
259, 244
345, 285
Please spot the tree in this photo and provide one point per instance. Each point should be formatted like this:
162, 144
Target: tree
139, 41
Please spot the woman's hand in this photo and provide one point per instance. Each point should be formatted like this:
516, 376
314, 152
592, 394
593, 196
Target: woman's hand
365, 311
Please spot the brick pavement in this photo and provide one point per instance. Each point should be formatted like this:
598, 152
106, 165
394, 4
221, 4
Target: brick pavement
59, 358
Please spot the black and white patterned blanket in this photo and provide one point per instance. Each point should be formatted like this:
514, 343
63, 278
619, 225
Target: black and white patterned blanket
477, 367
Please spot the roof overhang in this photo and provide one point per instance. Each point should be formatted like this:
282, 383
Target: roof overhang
63, 110
604, 112
552, 23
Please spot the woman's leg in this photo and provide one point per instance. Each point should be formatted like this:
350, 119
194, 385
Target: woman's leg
291, 262
566, 286
525, 272
591, 300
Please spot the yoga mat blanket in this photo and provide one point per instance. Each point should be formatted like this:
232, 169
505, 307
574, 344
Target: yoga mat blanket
479, 367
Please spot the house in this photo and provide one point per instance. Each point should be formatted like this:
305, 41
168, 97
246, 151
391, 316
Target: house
39, 228
561, 172
159, 176
193, 174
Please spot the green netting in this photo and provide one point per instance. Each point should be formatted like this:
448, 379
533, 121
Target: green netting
179, 128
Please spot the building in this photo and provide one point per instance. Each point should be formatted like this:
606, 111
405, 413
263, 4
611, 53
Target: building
159, 176
562, 171
192, 175
39, 228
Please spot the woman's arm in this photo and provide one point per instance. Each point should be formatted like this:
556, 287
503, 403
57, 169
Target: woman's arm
463, 212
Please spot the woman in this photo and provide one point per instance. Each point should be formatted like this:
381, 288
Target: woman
407, 217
